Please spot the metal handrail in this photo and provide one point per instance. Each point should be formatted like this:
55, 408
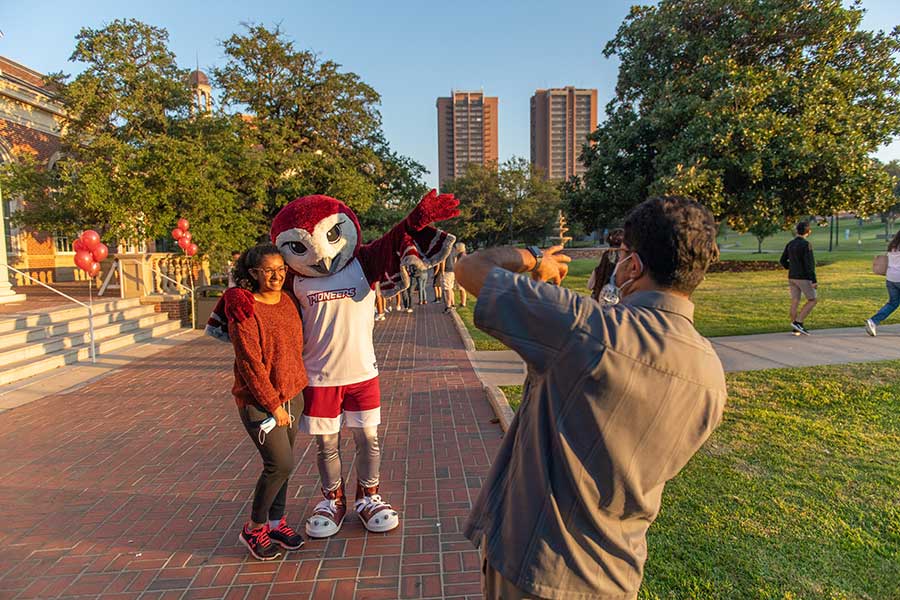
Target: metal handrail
39, 282
89, 306
189, 289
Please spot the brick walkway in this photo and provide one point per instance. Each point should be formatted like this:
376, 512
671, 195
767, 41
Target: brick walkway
135, 486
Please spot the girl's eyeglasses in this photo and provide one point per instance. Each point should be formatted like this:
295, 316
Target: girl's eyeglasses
269, 272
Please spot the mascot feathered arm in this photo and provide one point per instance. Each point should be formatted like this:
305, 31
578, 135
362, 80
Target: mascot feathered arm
411, 239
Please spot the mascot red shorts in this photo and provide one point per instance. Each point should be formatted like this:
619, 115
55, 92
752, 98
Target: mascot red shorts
326, 408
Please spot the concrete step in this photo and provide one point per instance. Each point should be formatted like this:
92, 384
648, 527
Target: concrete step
42, 333
32, 349
33, 366
31, 320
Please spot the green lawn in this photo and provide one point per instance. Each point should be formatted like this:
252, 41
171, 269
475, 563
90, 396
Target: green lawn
758, 302
795, 496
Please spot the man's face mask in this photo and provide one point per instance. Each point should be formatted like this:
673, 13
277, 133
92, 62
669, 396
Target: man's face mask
612, 293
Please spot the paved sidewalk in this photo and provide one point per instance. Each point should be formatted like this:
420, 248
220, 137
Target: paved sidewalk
135, 486
744, 352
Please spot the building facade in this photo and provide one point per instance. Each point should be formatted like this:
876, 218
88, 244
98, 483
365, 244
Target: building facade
561, 120
30, 123
467, 132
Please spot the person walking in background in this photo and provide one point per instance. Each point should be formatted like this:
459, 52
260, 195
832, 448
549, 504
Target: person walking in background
602, 272
405, 296
798, 259
379, 303
448, 281
892, 280
461, 253
436, 277
235, 255
617, 400
418, 276
268, 373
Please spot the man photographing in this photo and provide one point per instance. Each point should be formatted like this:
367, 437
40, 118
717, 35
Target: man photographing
617, 400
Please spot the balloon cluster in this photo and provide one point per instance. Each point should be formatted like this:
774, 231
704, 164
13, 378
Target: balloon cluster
181, 235
89, 251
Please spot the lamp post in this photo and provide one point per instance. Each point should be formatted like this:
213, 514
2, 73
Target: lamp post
510, 209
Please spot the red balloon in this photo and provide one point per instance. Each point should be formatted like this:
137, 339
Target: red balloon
77, 246
100, 252
83, 259
187, 235
90, 239
94, 269
183, 224
177, 233
183, 243
191, 250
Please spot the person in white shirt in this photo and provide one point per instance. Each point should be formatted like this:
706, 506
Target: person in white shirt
892, 280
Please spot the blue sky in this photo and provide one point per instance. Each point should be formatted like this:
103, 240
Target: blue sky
410, 52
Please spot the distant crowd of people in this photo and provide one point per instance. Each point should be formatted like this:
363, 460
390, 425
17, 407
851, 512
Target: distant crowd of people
426, 284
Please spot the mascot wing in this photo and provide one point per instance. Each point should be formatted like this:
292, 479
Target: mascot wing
410, 241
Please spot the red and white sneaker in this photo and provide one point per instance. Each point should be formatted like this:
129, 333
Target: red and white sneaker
376, 515
328, 515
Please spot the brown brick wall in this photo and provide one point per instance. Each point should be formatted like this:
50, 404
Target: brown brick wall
178, 310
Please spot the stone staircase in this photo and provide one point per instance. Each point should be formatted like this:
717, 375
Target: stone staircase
39, 341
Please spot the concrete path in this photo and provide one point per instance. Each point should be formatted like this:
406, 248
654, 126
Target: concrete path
744, 352
135, 486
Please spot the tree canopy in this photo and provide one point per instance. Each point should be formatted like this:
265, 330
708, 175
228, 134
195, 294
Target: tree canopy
136, 157
487, 193
764, 110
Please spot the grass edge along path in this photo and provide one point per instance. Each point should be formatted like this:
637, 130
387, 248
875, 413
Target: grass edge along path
796, 495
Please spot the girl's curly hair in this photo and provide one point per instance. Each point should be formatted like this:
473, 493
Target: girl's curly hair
251, 259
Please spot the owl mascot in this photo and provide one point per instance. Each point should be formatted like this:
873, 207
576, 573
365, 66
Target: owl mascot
334, 278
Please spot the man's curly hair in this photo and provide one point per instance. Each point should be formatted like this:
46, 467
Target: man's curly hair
675, 238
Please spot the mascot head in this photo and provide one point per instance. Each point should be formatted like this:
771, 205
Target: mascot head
317, 235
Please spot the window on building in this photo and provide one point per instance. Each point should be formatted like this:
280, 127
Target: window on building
63, 243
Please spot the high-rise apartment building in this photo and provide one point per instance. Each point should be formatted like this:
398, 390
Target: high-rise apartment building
467, 132
561, 119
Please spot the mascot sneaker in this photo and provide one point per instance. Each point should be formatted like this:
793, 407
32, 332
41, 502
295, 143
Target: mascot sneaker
328, 515
376, 514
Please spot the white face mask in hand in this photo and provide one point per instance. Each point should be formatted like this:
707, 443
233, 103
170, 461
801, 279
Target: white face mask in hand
612, 293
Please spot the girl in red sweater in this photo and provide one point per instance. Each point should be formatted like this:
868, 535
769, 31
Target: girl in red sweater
268, 375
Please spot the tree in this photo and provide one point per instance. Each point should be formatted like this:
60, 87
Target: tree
134, 160
891, 212
317, 127
751, 106
513, 201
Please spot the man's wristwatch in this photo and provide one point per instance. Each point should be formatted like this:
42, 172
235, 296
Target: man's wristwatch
537, 254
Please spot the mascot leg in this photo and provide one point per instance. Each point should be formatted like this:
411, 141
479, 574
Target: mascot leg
321, 418
375, 514
362, 413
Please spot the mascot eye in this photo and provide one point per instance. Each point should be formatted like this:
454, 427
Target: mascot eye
297, 247
334, 234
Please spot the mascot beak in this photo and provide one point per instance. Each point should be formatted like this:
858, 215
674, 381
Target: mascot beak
324, 266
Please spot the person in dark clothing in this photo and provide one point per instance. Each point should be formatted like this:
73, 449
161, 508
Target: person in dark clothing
798, 259
600, 275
